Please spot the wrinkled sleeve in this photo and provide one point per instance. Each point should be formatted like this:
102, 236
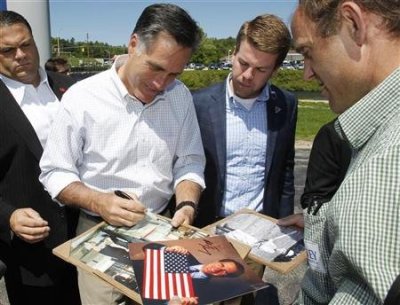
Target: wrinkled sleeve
63, 152
190, 158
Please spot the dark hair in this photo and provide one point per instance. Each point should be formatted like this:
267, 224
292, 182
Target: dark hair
267, 33
239, 267
57, 64
171, 19
325, 14
8, 18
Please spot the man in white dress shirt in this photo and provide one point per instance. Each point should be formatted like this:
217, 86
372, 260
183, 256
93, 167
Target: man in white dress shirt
131, 128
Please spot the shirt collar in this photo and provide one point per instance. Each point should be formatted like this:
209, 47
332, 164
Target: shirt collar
262, 97
361, 120
18, 88
119, 61
123, 91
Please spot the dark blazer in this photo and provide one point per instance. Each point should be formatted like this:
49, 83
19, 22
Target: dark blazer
20, 152
279, 179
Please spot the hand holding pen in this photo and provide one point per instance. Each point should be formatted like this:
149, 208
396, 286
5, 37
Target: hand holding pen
121, 209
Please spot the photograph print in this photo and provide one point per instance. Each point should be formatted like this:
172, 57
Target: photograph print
202, 271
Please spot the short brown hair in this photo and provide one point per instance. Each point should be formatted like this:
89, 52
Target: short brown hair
267, 33
325, 14
57, 64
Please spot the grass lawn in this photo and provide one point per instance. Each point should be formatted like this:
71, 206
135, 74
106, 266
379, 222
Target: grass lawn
311, 116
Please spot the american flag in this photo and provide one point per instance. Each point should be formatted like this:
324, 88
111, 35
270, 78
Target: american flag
166, 274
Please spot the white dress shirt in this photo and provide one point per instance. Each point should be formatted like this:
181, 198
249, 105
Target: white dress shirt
109, 140
39, 104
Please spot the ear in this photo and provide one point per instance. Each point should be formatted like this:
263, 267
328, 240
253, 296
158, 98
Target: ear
353, 17
133, 42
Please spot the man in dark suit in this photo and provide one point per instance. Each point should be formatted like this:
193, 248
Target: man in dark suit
248, 129
31, 224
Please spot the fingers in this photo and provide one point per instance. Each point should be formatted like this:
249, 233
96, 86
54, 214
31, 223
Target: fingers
27, 224
183, 216
120, 211
292, 220
175, 300
177, 249
133, 205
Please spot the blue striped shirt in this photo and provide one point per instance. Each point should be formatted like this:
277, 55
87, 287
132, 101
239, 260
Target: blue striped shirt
246, 153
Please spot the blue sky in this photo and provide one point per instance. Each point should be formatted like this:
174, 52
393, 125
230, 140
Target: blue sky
112, 21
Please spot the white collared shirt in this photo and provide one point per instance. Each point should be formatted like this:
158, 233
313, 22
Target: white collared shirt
109, 140
39, 104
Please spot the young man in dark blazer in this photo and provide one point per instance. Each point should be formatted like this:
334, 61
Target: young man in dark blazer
31, 224
248, 129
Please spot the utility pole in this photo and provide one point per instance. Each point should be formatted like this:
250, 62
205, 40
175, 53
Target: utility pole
58, 46
87, 43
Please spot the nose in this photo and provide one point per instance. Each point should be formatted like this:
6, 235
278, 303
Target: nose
308, 73
248, 73
19, 53
161, 81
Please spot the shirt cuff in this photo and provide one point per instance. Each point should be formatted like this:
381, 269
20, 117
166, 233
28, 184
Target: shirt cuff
199, 179
56, 182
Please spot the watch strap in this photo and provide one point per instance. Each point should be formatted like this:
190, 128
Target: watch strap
186, 203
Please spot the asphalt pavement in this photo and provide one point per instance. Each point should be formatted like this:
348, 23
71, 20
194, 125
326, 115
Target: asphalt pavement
288, 285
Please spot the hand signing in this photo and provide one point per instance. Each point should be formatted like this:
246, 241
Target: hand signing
119, 211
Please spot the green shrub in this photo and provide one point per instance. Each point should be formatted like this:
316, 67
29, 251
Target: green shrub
311, 115
198, 79
291, 80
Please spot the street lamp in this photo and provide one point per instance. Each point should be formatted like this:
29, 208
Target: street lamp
229, 55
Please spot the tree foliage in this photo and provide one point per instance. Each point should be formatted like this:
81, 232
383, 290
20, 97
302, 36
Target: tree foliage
210, 50
84, 49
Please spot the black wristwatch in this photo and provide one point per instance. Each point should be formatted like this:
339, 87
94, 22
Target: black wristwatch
187, 203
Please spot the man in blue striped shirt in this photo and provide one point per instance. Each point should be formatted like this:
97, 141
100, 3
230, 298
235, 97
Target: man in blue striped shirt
248, 129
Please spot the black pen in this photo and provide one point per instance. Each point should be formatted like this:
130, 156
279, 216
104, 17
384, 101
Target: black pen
122, 194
